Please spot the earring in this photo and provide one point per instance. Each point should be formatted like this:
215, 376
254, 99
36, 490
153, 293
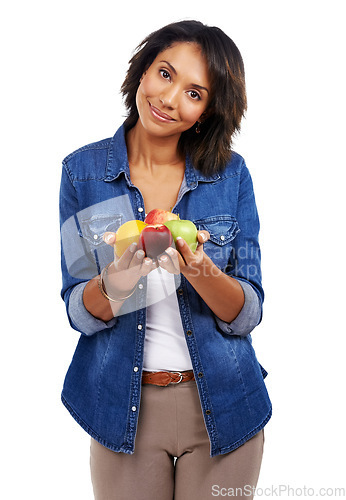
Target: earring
198, 128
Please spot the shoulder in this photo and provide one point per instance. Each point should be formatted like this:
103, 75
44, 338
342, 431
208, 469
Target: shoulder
88, 161
235, 167
236, 174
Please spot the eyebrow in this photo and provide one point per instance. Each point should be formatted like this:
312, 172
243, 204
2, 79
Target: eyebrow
172, 68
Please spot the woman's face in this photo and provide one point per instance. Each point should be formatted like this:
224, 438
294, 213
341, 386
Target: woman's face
174, 91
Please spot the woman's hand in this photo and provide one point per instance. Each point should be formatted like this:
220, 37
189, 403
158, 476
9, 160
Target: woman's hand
184, 260
223, 294
119, 281
124, 273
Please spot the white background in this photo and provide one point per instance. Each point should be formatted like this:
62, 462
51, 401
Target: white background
62, 67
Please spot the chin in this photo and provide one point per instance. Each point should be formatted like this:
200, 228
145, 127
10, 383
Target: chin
157, 129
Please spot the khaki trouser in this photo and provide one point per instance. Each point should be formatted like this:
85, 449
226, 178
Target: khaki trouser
171, 425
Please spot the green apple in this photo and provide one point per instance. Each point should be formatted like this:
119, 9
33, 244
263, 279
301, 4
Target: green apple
185, 229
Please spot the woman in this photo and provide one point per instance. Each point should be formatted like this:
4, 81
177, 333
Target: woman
164, 377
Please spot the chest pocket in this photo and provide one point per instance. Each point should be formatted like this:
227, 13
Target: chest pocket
91, 231
222, 229
93, 228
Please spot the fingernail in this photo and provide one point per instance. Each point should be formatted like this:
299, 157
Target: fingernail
108, 238
140, 254
203, 236
133, 247
170, 251
180, 241
163, 258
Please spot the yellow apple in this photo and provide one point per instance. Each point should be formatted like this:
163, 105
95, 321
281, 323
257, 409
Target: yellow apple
126, 234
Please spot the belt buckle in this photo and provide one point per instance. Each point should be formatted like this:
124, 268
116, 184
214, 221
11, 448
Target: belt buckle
181, 378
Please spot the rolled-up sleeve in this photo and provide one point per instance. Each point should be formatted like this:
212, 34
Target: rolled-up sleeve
81, 318
249, 316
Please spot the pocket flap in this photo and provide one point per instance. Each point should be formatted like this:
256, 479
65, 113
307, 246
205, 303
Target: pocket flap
222, 228
93, 229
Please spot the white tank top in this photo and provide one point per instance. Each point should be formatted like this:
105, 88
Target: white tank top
165, 347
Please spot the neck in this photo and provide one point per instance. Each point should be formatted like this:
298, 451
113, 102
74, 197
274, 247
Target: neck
151, 151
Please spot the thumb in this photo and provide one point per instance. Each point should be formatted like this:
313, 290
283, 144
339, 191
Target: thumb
109, 238
203, 236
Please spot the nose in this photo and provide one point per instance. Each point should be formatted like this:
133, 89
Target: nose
169, 97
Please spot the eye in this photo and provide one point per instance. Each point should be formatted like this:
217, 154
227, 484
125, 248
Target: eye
165, 74
194, 95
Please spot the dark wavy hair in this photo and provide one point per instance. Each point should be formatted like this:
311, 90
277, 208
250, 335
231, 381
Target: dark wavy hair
210, 150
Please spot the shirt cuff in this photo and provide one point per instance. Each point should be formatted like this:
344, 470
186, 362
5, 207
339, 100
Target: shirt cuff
249, 316
81, 318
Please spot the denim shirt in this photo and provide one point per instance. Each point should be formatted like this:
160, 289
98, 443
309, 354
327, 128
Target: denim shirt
102, 388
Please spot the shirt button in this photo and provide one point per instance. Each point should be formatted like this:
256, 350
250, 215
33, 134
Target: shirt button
139, 327
140, 286
200, 374
189, 332
134, 408
140, 209
207, 412
135, 369
96, 237
222, 237
180, 291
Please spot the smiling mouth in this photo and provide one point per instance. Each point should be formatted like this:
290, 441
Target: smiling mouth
160, 115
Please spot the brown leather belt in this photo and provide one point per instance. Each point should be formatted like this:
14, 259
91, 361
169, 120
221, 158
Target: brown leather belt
166, 378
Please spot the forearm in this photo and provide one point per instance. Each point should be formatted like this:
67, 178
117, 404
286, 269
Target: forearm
223, 294
97, 304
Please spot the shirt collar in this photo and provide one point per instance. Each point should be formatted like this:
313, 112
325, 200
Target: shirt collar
117, 163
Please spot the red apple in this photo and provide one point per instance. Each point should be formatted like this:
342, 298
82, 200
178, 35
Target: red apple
154, 239
158, 216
